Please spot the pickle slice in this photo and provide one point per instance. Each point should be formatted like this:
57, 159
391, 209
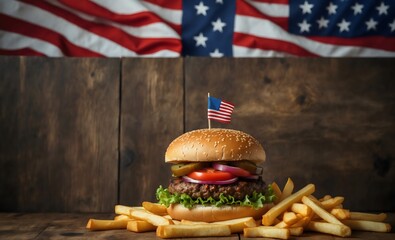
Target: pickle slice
249, 166
185, 168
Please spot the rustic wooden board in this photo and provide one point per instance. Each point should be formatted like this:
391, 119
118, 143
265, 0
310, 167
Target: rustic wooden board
59, 134
326, 121
151, 117
355, 235
13, 226
72, 226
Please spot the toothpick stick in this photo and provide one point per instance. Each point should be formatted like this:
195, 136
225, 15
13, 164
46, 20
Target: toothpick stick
209, 121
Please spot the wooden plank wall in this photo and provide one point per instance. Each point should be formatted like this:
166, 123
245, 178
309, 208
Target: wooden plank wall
152, 116
58, 134
80, 135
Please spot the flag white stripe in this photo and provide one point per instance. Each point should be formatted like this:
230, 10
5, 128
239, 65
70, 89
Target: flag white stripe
271, 9
215, 112
230, 108
136, 6
218, 114
266, 29
161, 53
255, 52
220, 119
226, 110
154, 30
170, 15
15, 41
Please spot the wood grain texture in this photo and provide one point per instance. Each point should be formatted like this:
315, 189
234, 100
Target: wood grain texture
326, 121
72, 226
151, 117
59, 134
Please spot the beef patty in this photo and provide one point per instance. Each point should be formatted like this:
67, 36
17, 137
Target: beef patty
238, 189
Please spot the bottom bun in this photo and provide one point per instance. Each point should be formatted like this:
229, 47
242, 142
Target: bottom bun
213, 214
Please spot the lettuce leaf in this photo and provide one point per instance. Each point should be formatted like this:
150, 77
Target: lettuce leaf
256, 200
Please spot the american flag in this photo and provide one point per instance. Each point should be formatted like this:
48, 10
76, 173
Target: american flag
219, 110
216, 28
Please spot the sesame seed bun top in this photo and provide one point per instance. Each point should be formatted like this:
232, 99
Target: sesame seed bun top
215, 144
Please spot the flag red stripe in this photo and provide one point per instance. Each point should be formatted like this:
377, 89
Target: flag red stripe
136, 20
227, 104
174, 4
21, 52
221, 121
138, 45
243, 8
25, 28
250, 41
219, 117
220, 111
273, 1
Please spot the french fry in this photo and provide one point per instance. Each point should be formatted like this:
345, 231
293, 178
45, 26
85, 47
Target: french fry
150, 217
296, 231
122, 217
172, 220
290, 218
198, 230
236, 225
313, 198
277, 192
371, 226
155, 208
301, 222
326, 197
340, 213
125, 210
301, 209
265, 231
368, 216
332, 202
281, 224
140, 226
176, 222
96, 224
320, 211
269, 216
183, 221
287, 190
329, 228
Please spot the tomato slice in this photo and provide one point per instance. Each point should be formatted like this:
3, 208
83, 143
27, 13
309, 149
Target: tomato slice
210, 174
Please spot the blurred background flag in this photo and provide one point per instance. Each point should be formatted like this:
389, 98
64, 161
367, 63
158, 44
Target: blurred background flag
216, 28
219, 110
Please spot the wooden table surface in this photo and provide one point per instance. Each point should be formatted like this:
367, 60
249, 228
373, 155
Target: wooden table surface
72, 226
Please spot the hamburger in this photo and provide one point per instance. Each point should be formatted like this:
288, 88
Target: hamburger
215, 177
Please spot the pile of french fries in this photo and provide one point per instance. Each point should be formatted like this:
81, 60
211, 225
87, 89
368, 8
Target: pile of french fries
293, 213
